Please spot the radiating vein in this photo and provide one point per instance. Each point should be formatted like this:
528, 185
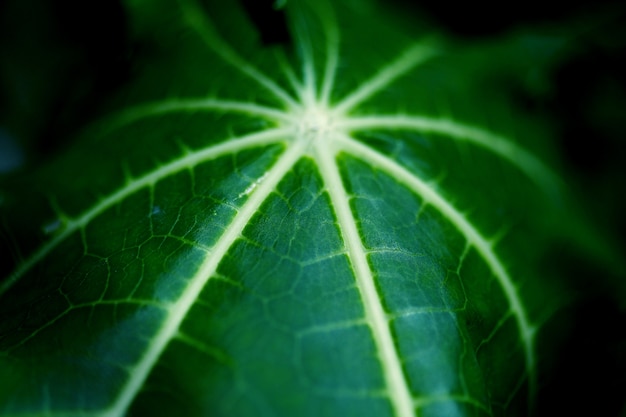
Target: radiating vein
331, 31
179, 310
525, 161
472, 235
397, 387
290, 74
199, 21
180, 105
186, 161
408, 60
303, 41
424, 401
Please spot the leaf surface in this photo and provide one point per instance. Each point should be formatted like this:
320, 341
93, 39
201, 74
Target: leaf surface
348, 227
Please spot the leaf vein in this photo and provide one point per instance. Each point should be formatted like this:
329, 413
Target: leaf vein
407, 61
188, 160
525, 161
179, 105
397, 386
198, 20
472, 235
189, 297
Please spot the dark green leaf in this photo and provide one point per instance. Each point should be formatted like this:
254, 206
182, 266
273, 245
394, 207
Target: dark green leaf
354, 225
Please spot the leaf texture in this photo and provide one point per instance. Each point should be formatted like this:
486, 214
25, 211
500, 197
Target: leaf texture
347, 228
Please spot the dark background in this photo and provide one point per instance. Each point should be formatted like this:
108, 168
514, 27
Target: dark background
59, 60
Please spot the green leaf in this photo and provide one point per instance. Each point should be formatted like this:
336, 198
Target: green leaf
351, 227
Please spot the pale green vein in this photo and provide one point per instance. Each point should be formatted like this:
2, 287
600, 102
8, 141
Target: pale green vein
178, 311
308, 94
290, 74
416, 311
188, 160
425, 401
407, 61
473, 236
397, 386
331, 31
303, 41
198, 19
330, 327
525, 161
201, 346
190, 105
